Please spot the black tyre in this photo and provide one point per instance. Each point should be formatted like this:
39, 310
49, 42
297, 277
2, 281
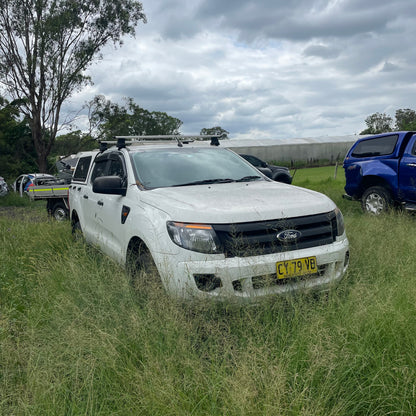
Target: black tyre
77, 230
141, 267
376, 200
59, 211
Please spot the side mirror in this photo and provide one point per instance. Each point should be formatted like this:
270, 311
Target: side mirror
110, 185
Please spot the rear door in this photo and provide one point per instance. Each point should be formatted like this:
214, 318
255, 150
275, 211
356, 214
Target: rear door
407, 172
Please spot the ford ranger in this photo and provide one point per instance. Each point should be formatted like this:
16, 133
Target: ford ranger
212, 225
380, 171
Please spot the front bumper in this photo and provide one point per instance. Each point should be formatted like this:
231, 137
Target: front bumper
251, 278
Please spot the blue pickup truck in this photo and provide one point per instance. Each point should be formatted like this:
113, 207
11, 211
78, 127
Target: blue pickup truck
380, 171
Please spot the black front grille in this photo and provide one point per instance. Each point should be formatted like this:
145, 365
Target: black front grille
257, 238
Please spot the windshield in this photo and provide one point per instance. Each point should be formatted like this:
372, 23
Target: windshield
156, 168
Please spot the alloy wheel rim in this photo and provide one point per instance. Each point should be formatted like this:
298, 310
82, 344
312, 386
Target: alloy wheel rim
374, 203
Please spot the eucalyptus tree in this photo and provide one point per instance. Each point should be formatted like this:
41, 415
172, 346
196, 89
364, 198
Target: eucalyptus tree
217, 130
110, 119
16, 152
45, 48
405, 119
378, 123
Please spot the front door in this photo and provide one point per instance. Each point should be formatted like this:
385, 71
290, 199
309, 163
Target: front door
407, 172
107, 209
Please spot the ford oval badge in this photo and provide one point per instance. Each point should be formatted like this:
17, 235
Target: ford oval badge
289, 236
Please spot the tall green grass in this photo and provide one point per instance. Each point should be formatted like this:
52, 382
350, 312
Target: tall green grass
13, 199
75, 339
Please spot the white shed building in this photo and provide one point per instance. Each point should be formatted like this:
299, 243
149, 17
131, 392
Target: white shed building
332, 148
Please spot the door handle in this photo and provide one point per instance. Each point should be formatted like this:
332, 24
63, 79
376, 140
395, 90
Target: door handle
100, 203
412, 165
85, 196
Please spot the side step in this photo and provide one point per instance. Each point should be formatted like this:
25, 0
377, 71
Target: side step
410, 206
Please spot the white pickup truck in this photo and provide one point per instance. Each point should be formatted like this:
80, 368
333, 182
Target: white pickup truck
213, 225
50, 188
56, 196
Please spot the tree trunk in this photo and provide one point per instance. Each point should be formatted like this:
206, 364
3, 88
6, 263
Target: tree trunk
42, 162
39, 143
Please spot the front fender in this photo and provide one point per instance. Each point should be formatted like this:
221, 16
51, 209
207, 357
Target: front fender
149, 224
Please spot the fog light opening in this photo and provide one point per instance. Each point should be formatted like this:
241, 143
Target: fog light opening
207, 282
347, 259
238, 287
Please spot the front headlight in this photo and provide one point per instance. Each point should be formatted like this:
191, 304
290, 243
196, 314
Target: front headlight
340, 222
196, 237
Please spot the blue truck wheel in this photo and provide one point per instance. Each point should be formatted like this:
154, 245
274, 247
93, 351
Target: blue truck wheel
376, 200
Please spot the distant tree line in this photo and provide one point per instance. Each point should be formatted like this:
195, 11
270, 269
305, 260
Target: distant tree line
106, 120
109, 119
405, 119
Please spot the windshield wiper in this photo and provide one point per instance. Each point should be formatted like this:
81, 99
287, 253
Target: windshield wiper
248, 178
207, 182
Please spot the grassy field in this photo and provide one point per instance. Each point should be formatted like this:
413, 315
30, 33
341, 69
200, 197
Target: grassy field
75, 339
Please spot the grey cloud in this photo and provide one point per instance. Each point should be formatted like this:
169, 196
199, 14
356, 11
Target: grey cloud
303, 19
389, 67
177, 28
322, 51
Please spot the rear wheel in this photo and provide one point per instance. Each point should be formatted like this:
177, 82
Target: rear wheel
376, 200
59, 211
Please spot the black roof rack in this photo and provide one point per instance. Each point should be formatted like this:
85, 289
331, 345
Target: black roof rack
122, 141
103, 146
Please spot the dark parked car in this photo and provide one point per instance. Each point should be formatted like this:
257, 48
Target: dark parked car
277, 173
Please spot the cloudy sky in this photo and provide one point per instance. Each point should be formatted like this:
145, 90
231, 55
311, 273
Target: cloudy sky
266, 68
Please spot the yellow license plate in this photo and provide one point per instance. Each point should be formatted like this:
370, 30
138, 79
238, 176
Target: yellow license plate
296, 267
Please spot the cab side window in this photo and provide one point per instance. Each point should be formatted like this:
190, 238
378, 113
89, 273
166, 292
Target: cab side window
414, 146
379, 146
116, 168
109, 164
253, 161
81, 171
100, 169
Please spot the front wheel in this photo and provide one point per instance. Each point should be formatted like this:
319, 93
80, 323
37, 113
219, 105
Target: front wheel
77, 230
376, 200
141, 267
